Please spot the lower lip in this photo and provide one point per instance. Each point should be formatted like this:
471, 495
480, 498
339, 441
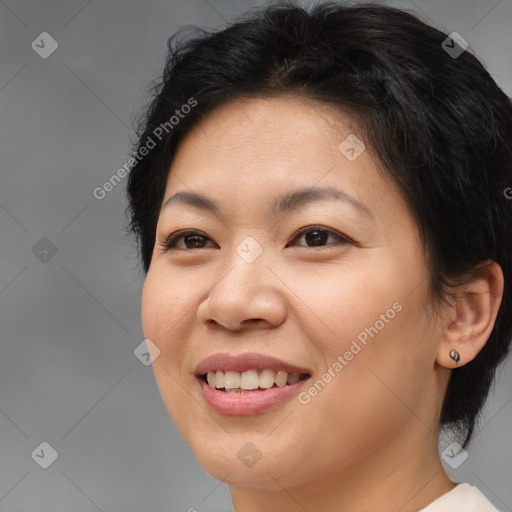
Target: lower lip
245, 404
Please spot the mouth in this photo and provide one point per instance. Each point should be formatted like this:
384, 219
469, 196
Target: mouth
248, 383
251, 380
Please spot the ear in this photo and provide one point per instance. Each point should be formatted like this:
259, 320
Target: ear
470, 320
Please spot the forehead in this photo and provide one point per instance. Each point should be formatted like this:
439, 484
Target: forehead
261, 148
275, 123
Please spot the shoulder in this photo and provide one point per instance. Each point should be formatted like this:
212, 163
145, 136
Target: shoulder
462, 498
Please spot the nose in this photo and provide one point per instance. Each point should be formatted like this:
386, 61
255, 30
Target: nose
245, 296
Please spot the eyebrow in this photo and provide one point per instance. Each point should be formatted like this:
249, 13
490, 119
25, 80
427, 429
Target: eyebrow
285, 203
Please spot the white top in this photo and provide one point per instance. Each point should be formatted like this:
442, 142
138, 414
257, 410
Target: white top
462, 498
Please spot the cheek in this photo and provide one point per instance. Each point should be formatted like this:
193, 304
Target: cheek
162, 306
346, 303
386, 371
152, 307
161, 311
372, 337
163, 315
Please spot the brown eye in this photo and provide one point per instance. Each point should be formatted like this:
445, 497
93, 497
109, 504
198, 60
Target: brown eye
316, 236
191, 239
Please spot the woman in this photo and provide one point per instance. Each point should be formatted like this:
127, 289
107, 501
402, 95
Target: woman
319, 201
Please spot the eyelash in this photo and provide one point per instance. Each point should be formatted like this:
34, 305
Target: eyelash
171, 241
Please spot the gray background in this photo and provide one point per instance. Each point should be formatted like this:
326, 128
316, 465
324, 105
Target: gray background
69, 325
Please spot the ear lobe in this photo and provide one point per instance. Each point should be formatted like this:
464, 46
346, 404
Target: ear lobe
471, 318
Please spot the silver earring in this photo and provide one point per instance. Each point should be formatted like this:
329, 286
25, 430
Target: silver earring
455, 356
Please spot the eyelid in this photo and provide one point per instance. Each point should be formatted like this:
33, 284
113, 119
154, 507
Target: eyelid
330, 231
177, 235
174, 237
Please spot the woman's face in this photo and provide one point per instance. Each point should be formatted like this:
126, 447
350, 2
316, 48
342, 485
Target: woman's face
345, 308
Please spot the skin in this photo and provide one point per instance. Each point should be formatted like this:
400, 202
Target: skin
368, 440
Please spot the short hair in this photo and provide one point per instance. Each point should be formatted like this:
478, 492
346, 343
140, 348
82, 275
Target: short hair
439, 124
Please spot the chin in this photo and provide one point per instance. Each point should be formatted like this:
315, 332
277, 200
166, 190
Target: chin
240, 463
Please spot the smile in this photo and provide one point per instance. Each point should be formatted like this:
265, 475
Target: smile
249, 383
251, 380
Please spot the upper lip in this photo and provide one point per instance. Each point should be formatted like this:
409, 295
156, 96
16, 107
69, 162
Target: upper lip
244, 362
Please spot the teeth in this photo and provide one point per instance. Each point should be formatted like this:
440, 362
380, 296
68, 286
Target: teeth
249, 380
211, 378
266, 379
231, 380
281, 378
219, 380
293, 378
